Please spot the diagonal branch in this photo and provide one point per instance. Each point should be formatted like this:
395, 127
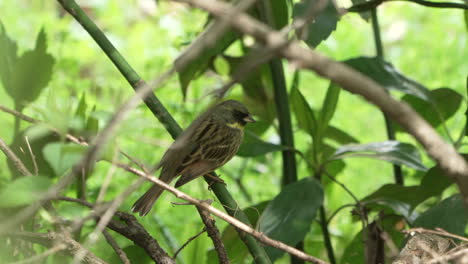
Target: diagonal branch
349, 79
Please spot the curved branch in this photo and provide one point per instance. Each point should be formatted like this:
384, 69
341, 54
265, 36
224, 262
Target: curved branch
355, 82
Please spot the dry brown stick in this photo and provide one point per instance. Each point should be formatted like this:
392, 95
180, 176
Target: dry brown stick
16, 161
53, 238
444, 154
116, 247
233, 221
214, 234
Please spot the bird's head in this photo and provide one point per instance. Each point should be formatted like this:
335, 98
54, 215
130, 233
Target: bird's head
234, 114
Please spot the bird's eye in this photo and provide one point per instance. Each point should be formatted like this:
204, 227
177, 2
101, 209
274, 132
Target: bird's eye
240, 115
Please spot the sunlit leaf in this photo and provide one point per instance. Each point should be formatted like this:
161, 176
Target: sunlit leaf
386, 75
23, 191
390, 151
289, 216
322, 26
62, 156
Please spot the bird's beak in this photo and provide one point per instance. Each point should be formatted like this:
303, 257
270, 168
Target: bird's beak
249, 119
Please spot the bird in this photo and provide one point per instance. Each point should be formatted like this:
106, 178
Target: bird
210, 141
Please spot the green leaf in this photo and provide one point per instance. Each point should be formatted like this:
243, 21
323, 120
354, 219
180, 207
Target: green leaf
443, 104
450, 215
324, 24
435, 182
386, 75
304, 114
340, 136
280, 14
8, 57
199, 65
254, 146
62, 157
31, 73
328, 107
23, 191
289, 216
391, 151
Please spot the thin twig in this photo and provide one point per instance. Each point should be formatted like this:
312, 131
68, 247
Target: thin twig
16, 161
122, 255
214, 234
188, 242
33, 157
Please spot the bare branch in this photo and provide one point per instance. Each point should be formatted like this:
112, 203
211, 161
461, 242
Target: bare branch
116, 247
444, 154
214, 234
16, 161
233, 221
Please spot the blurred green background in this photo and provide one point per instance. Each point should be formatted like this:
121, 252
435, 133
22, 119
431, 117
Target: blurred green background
427, 45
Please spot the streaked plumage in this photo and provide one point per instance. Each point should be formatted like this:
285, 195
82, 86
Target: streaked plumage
208, 143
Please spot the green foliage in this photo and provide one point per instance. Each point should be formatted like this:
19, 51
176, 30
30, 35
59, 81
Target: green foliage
25, 77
23, 191
386, 75
62, 157
322, 26
64, 80
289, 215
390, 151
450, 215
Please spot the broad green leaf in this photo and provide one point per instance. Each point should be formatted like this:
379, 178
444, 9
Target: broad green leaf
328, 107
254, 146
391, 151
31, 73
23, 191
62, 156
289, 216
340, 136
8, 57
236, 249
199, 65
444, 104
324, 24
386, 75
304, 114
450, 215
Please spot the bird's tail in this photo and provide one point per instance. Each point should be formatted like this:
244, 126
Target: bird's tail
146, 201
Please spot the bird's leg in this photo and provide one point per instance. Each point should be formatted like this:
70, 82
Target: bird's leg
214, 178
